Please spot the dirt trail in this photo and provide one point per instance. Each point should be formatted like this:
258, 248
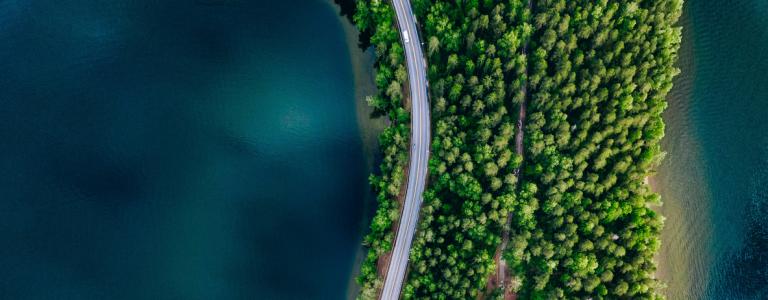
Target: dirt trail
500, 278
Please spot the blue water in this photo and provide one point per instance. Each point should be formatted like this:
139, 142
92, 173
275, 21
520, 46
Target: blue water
177, 150
714, 180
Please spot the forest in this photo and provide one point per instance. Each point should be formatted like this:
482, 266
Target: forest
599, 72
594, 76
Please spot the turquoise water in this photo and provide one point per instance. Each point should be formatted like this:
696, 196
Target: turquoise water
714, 180
177, 150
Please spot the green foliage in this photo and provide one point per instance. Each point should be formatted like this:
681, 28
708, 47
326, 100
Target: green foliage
473, 52
594, 75
376, 19
600, 72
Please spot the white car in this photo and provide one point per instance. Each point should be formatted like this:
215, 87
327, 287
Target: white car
405, 36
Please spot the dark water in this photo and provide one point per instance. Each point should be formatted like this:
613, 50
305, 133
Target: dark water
177, 150
715, 177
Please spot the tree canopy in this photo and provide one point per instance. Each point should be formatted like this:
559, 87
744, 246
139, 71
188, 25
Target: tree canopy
594, 76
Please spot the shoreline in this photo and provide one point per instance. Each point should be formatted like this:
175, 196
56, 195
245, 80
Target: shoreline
661, 268
369, 128
672, 264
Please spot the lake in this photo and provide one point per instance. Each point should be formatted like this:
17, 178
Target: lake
178, 150
714, 180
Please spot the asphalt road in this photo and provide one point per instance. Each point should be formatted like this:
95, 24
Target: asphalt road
420, 141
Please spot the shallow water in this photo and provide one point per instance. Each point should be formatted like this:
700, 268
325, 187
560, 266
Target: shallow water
177, 150
714, 180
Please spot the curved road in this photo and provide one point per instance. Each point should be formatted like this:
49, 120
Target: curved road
420, 141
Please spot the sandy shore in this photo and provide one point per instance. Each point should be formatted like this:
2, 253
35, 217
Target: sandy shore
661, 271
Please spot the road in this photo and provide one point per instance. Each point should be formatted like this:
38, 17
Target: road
419, 153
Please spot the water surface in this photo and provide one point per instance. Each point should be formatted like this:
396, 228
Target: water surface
714, 180
177, 150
